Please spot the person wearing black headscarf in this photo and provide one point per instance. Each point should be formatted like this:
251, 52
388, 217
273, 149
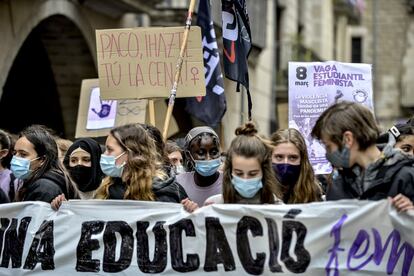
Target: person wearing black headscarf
82, 162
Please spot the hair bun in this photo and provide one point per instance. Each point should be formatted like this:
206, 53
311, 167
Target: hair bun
248, 129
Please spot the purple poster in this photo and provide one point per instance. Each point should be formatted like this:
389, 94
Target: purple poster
101, 114
313, 87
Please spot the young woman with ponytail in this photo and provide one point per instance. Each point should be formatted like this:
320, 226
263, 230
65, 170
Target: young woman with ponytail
248, 177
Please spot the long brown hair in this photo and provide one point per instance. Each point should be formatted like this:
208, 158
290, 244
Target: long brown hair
142, 165
46, 149
306, 188
249, 145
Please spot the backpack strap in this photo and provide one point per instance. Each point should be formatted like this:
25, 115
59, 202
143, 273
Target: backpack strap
12, 191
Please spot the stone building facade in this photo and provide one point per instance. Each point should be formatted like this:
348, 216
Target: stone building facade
378, 32
389, 45
48, 47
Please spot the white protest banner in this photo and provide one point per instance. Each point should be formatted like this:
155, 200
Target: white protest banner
135, 238
140, 63
313, 87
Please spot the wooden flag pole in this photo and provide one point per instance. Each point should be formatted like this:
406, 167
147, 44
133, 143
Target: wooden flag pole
178, 67
151, 107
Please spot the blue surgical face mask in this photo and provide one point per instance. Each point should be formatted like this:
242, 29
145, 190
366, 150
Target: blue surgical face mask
207, 167
21, 167
109, 167
247, 188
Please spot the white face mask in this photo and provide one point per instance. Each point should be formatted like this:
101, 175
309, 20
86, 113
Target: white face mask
179, 169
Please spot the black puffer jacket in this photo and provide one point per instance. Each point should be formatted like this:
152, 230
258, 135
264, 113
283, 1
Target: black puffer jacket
392, 175
168, 190
3, 197
46, 188
164, 190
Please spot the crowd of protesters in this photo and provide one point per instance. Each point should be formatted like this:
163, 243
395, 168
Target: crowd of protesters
135, 164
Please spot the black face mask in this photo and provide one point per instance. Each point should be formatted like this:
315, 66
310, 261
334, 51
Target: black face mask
82, 176
287, 174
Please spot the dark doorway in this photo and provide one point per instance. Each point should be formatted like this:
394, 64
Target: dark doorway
30, 94
43, 84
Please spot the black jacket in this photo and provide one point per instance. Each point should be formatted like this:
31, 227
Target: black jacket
394, 175
3, 197
164, 190
46, 188
168, 190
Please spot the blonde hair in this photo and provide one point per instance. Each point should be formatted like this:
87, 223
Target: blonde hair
248, 144
142, 166
306, 188
63, 146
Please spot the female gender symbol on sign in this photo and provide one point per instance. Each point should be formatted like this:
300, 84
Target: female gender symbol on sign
194, 72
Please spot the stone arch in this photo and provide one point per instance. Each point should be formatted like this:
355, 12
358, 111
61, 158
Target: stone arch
68, 41
40, 12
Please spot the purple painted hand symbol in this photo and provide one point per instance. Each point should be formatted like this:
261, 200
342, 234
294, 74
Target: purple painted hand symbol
105, 109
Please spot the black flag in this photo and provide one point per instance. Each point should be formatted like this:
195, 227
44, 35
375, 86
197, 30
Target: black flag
211, 108
237, 44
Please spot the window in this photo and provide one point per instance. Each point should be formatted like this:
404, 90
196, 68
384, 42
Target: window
356, 49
